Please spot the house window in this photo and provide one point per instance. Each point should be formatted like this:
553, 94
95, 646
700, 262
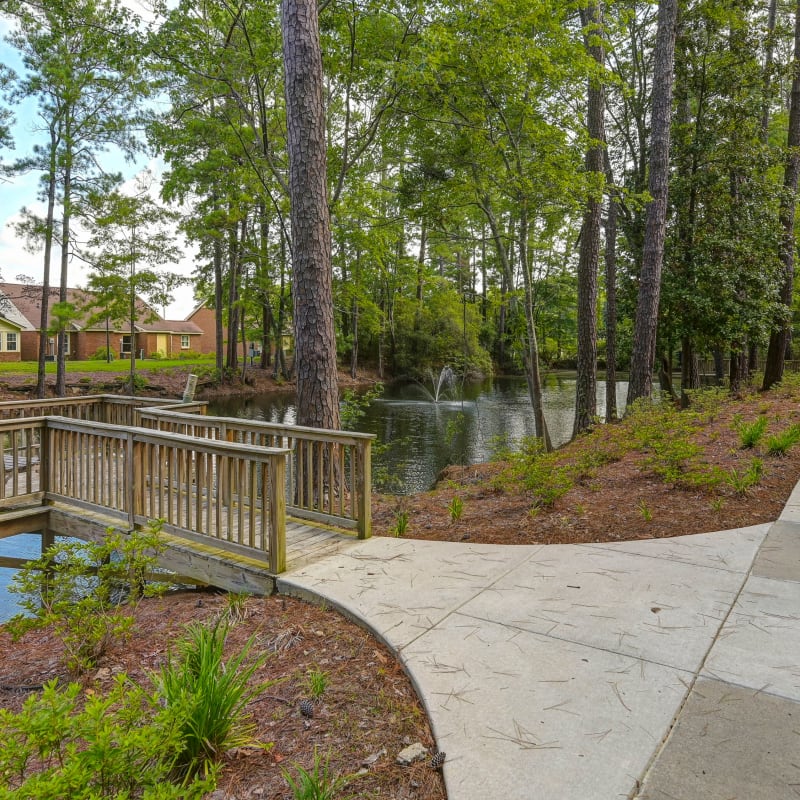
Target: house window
11, 341
125, 347
184, 341
66, 344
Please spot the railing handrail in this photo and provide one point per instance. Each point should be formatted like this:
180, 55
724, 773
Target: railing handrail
300, 431
202, 444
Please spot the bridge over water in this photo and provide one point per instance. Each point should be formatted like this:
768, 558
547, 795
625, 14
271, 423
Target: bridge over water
240, 501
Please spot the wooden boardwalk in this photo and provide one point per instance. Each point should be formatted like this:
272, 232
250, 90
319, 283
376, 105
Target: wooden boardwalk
221, 488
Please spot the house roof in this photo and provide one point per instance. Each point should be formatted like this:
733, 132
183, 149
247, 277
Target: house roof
28, 302
11, 314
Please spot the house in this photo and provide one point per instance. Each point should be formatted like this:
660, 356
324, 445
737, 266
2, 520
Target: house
12, 325
85, 337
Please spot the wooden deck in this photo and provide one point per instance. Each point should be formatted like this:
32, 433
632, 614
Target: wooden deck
221, 496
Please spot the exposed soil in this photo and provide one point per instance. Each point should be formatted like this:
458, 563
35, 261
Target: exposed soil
369, 712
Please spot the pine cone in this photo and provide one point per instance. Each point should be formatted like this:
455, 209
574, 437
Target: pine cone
438, 759
307, 708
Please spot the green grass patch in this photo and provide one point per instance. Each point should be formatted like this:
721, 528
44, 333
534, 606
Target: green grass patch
117, 366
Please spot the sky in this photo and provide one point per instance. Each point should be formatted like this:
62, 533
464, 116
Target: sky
21, 191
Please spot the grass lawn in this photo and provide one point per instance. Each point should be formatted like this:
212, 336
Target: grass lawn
117, 366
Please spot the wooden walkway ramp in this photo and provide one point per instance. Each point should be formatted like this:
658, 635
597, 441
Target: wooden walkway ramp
239, 502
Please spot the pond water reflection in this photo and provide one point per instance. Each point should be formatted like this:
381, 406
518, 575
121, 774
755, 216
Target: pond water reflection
423, 437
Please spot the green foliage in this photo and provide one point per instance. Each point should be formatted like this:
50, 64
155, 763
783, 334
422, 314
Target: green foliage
81, 589
121, 745
316, 682
750, 433
320, 783
540, 473
400, 522
354, 405
781, 443
741, 483
456, 508
209, 696
235, 607
645, 511
103, 354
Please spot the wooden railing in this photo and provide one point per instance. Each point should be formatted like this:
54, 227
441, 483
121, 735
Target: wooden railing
20, 442
203, 490
109, 408
328, 473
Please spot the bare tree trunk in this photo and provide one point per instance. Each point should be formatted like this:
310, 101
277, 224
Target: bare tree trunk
44, 319
690, 372
611, 309
779, 339
61, 366
589, 258
315, 344
646, 325
218, 329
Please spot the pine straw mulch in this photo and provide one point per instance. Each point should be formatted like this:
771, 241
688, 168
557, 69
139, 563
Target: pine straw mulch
617, 501
367, 714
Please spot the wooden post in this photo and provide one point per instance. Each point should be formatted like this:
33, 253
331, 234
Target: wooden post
133, 477
364, 478
276, 497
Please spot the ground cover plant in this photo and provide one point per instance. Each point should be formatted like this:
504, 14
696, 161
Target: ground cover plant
722, 463
364, 710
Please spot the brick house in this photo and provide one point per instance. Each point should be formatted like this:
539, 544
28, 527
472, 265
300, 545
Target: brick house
152, 334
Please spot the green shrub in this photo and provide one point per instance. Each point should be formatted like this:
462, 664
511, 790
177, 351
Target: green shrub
209, 696
83, 589
316, 682
64, 745
102, 354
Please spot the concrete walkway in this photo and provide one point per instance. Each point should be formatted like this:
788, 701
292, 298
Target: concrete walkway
659, 670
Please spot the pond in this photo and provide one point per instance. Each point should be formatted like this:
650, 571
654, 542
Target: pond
418, 436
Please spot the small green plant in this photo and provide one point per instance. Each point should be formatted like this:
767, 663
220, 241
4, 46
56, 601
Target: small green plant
717, 504
64, 743
741, 483
645, 511
235, 609
209, 696
400, 522
354, 405
780, 444
82, 590
320, 783
750, 433
316, 683
456, 508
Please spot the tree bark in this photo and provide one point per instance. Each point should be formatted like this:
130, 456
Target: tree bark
61, 365
779, 338
690, 371
589, 257
611, 309
645, 327
44, 319
315, 344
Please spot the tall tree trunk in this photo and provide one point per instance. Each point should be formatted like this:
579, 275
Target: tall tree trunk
690, 371
61, 366
234, 260
611, 308
219, 335
646, 325
779, 339
315, 343
531, 351
44, 319
589, 257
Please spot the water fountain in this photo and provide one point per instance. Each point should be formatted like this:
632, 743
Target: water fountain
440, 384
